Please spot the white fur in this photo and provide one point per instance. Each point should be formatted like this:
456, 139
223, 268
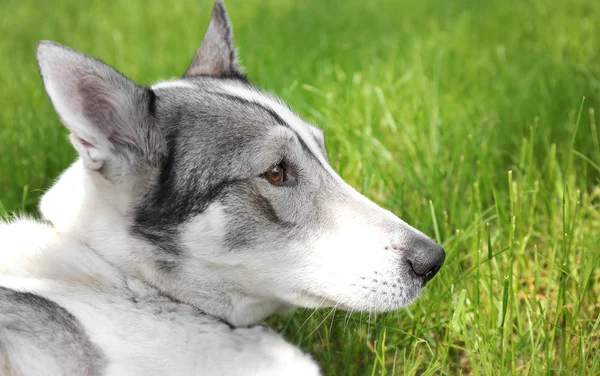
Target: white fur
172, 84
309, 275
135, 340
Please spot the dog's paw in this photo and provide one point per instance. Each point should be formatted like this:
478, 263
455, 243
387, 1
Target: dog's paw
268, 354
292, 361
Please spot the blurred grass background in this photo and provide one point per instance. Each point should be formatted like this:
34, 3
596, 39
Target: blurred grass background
465, 118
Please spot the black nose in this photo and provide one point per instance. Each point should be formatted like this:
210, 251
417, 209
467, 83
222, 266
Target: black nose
425, 257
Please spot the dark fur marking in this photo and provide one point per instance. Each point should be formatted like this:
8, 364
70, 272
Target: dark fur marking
152, 102
267, 210
321, 145
275, 116
306, 148
52, 330
155, 220
233, 75
243, 228
166, 266
158, 216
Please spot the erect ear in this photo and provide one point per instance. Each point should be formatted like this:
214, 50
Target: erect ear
216, 55
108, 114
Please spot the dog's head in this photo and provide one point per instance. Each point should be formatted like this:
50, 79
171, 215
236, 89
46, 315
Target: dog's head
214, 176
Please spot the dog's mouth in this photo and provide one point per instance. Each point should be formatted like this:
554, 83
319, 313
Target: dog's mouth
384, 297
315, 301
312, 301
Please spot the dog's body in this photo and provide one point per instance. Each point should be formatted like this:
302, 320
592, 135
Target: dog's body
66, 311
198, 206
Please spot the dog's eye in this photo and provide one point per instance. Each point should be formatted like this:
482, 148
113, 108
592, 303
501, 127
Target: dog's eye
276, 174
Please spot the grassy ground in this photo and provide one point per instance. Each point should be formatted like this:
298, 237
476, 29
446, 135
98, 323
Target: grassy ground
466, 118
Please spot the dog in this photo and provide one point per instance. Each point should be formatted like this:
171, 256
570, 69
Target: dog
197, 207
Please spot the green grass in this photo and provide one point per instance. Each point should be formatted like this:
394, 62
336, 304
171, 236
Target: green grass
466, 118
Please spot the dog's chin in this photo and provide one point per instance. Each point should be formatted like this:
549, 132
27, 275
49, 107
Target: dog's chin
314, 301
379, 306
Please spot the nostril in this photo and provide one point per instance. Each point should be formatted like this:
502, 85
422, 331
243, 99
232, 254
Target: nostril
412, 267
432, 272
422, 271
426, 259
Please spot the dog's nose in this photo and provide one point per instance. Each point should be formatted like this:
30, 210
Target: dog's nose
425, 257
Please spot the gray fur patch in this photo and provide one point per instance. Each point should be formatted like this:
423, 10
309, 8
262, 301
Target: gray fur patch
218, 146
30, 324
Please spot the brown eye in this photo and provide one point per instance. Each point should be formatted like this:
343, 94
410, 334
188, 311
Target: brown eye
275, 174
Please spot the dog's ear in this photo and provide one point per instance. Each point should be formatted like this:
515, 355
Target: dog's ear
216, 55
107, 113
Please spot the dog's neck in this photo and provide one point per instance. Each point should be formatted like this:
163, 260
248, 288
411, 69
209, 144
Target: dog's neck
76, 206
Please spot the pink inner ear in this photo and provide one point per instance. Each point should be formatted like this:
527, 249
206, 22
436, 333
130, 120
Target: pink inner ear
85, 143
